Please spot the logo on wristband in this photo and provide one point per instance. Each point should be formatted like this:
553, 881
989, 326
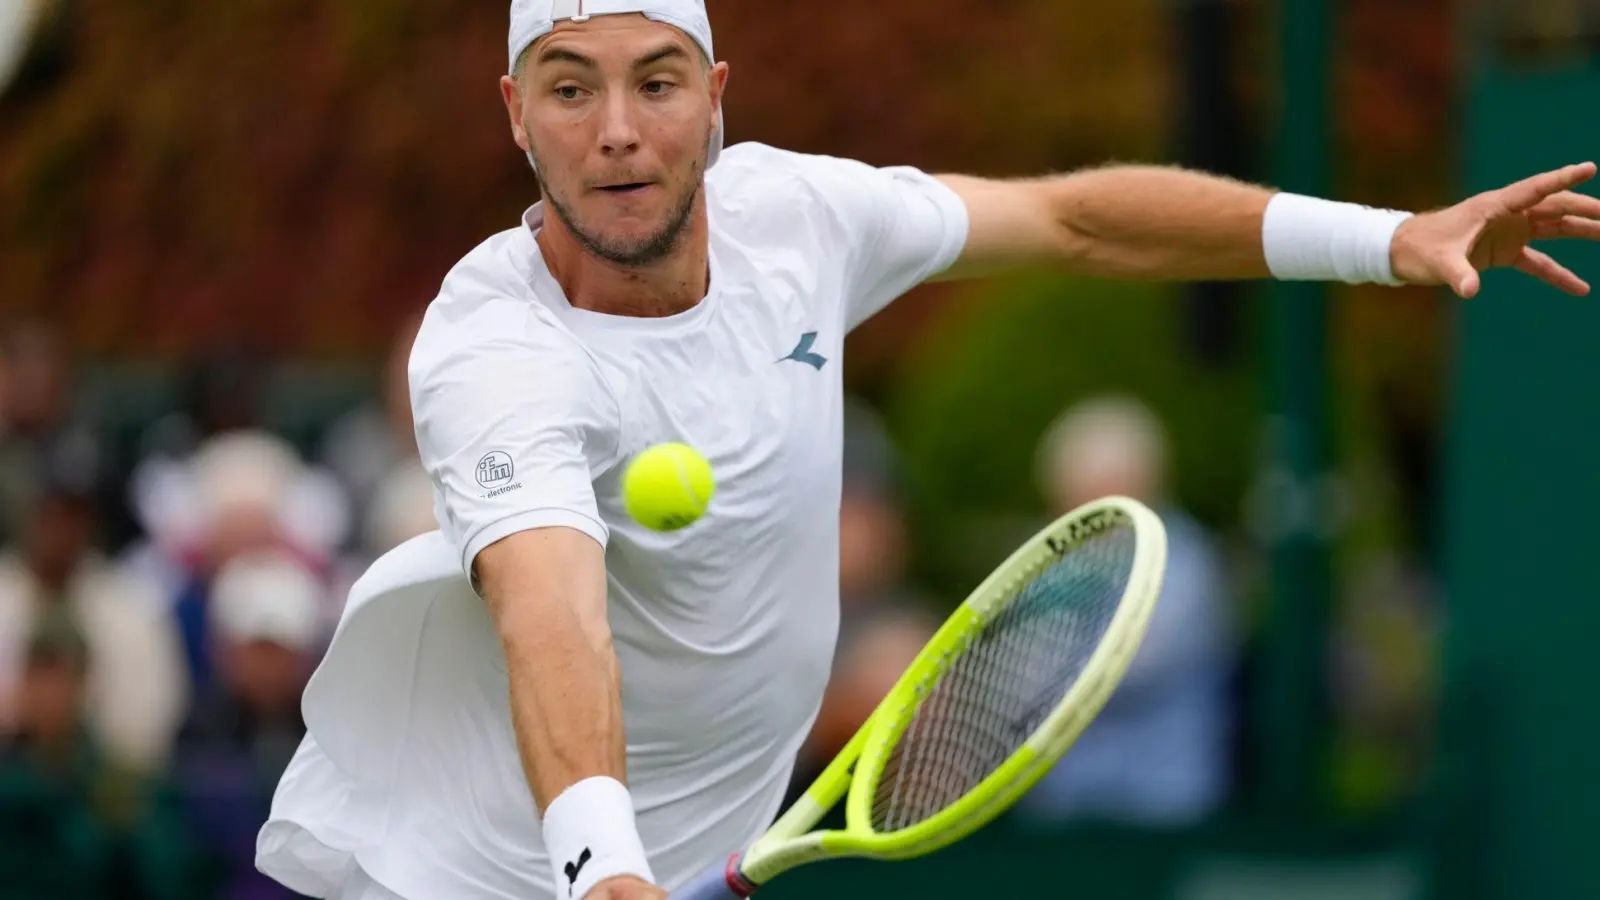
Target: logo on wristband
574, 868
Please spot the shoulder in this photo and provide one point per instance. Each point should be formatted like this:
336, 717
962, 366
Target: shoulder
755, 182
759, 176
486, 315
755, 164
490, 351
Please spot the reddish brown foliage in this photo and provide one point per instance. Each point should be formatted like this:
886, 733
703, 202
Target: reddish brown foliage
304, 173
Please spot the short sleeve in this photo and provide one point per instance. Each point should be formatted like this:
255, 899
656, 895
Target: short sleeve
903, 225
510, 428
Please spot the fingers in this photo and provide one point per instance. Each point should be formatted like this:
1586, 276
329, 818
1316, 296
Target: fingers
1530, 192
1567, 227
1461, 277
1567, 203
1541, 266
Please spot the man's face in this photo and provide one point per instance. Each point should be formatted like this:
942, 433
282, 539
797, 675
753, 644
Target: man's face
617, 113
265, 676
59, 535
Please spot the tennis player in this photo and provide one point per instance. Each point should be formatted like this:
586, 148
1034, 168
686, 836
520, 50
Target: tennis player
544, 699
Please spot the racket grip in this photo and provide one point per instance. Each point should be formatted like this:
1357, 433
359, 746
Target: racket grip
719, 882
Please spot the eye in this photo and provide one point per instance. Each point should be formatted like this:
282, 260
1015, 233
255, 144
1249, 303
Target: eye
569, 92
657, 87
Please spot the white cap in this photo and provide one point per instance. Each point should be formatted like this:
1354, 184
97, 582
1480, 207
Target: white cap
533, 19
267, 598
180, 503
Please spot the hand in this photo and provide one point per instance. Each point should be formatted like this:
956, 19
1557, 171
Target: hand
1494, 229
625, 887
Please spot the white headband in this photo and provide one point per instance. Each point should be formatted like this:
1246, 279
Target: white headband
533, 19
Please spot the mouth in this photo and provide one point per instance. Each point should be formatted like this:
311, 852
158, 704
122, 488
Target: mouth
626, 190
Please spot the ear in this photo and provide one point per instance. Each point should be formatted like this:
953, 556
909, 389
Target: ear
717, 84
511, 93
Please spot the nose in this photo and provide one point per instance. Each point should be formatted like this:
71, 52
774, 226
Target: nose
619, 133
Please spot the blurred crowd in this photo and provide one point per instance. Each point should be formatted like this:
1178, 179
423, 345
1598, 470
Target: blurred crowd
162, 610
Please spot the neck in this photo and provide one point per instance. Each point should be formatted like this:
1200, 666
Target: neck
669, 286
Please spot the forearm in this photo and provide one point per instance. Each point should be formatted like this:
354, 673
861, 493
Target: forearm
546, 590
1160, 224
566, 706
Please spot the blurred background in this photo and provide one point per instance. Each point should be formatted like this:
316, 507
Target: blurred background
1369, 674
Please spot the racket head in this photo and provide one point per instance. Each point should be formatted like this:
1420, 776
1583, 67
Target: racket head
856, 774
1012, 678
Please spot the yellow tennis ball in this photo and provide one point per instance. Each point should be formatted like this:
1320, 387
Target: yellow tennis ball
668, 487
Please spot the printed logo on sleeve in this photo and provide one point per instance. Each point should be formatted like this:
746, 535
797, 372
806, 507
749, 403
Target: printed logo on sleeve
495, 472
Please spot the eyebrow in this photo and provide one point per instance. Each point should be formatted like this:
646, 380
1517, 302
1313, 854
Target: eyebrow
560, 54
671, 51
556, 54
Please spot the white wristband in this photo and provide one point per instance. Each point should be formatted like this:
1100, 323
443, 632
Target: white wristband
1308, 239
590, 834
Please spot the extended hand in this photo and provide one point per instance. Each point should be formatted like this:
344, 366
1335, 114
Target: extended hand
625, 888
1494, 229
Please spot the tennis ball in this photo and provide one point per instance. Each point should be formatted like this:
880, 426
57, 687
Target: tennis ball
668, 487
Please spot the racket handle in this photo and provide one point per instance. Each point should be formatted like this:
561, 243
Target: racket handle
718, 882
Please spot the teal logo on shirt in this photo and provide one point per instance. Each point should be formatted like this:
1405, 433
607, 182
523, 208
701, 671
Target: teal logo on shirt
802, 353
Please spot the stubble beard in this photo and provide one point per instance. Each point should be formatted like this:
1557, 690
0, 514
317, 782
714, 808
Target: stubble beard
636, 253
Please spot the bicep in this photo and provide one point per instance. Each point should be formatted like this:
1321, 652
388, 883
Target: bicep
1011, 224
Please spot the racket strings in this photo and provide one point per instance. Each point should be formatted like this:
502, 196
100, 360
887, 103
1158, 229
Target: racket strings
995, 689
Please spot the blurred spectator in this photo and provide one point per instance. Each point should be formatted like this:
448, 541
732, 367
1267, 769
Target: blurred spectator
372, 450
1159, 753
74, 824
241, 493
36, 421
266, 631
136, 685
882, 623
222, 392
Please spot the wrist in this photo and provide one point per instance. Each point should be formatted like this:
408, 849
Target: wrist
591, 836
1309, 239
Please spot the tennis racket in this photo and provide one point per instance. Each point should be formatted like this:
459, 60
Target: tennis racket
1002, 690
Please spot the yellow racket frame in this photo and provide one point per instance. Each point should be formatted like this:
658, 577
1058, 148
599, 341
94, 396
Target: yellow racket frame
856, 770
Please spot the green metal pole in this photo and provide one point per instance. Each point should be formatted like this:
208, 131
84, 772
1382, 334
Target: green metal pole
1293, 689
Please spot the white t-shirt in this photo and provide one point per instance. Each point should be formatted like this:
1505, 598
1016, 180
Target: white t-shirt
527, 410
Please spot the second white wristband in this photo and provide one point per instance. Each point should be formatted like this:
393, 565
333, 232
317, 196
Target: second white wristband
590, 834
1310, 239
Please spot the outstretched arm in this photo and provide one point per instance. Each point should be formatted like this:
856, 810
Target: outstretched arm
1135, 222
546, 590
1158, 223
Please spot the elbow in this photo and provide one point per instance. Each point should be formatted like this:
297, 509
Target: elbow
1088, 250
1085, 254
